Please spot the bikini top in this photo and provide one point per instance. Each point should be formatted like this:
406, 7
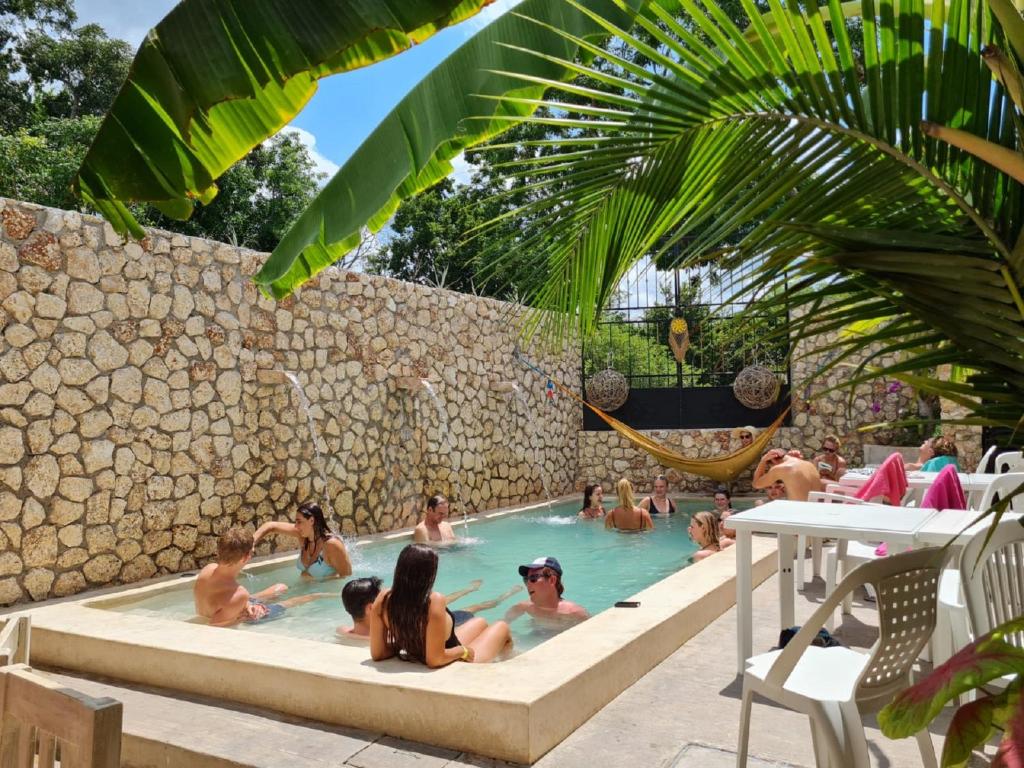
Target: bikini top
655, 511
319, 568
452, 641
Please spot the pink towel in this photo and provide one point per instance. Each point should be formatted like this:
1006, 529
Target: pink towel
889, 481
945, 492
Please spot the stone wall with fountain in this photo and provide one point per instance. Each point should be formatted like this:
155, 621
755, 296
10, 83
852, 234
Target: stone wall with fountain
605, 456
144, 405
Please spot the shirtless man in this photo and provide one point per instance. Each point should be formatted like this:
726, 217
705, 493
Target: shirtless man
434, 528
543, 579
799, 476
221, 599
217, 593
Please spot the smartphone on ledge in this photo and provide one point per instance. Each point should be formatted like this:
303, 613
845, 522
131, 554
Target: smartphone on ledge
628, 604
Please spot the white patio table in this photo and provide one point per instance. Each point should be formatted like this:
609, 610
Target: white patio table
789, 519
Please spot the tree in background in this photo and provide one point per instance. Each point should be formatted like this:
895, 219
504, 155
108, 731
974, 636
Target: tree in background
57, 80
259, 197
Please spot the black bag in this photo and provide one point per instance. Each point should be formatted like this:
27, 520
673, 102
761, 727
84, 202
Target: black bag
823, 639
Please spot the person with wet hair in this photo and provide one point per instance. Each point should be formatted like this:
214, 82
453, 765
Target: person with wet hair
703, 530
658, 503
628, 516
592, 509
412, 621
323, 554
434, 528
357, 595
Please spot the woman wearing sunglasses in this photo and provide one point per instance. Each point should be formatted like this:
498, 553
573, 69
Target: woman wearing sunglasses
830, 464
323, 554
413, 622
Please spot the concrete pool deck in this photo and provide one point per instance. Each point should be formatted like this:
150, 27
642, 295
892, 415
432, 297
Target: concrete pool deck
516, 710
682, 714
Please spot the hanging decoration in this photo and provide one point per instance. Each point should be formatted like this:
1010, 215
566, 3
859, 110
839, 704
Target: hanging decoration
549, 390
756, 387
679, 337
607, 389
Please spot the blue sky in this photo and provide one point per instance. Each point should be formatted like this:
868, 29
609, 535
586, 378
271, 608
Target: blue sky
348, 106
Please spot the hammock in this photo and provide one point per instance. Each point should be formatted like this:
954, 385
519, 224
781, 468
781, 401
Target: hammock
722, 468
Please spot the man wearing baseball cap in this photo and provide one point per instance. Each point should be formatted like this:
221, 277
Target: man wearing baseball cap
543, 579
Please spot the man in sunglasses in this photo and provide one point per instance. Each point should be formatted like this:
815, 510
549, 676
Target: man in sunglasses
830, 464
543, 579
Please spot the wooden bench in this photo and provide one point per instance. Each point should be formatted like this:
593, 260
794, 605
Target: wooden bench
43, 723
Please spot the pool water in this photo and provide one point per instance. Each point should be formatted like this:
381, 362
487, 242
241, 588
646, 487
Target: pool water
599, 568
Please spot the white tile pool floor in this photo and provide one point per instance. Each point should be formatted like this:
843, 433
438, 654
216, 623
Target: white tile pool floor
652, 723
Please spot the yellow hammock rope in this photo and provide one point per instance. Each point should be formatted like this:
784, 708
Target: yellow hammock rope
722, 468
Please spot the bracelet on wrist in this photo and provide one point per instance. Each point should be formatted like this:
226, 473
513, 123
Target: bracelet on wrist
465, 653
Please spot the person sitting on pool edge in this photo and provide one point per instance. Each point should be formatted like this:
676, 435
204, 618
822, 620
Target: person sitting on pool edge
434, 528
658, 503
592, 497
628, 516
221, 599
543, 579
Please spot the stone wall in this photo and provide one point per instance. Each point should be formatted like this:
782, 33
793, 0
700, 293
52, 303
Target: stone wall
605, 456
142, 408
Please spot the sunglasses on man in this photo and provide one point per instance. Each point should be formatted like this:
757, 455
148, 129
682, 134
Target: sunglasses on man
533, 578
828, 449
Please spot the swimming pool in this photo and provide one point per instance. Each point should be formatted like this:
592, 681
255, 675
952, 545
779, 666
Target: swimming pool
599, 568
515, 710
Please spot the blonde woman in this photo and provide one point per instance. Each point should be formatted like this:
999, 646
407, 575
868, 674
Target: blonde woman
703, 531
628, 516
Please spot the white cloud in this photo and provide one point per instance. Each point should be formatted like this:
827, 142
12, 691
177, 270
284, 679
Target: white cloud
308, 140
463, 171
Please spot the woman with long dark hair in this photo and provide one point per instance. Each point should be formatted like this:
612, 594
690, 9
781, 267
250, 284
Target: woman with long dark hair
413, 622
592, 507
323, 554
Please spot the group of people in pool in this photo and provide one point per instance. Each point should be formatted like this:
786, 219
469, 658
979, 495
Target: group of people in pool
707, 529
409, 619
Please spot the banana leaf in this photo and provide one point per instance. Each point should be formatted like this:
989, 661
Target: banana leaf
216, 77
412, 147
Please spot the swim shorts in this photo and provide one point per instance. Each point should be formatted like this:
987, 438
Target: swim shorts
272, 611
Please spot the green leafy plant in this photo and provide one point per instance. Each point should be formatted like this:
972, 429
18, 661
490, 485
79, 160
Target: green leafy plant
988, 658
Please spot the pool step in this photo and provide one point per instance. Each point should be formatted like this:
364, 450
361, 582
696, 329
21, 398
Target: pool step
166, 729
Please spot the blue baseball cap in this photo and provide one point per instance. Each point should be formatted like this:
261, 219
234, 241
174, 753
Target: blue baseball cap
541, 562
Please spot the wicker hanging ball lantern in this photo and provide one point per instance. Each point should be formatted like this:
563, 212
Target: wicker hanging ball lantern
607, 389
756, 387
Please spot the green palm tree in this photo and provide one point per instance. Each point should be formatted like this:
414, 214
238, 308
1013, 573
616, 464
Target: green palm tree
866, 221
785, 131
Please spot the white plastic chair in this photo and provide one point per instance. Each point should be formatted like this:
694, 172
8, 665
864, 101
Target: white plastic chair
1000, 486
1010, 461
994, 587
984, 459
815, 542
835, 686
850, 554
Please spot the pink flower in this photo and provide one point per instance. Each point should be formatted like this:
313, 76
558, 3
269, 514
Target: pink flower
876, 406
895, 387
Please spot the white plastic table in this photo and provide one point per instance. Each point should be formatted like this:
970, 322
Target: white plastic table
950, 524
789, 519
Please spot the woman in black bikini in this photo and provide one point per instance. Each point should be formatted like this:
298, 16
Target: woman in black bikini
658, 503
413, 622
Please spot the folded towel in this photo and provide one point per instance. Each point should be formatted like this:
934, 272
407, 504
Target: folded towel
946, 492
888, 481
